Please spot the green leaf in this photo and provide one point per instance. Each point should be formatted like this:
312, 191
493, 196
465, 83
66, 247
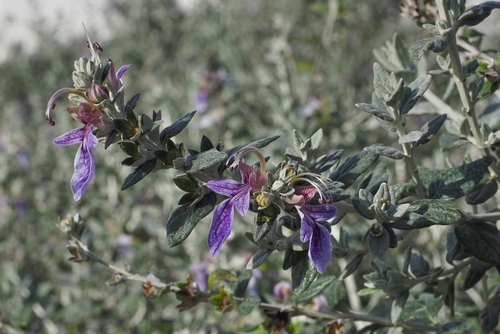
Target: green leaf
242, 284
257, 144
316, 139
431, 28
418, 265
385, 151
411, 137
258, 258
377, 239
362, 205
314, 289
435, 44
430, 128
476, 271
220, 274
184, 219
454, 182
330, 161
176, 127
477, 14
412, 93
335, 293
130, 149
481, 239
367, 292
449, 141
489, 318
375, 178
204, 160
427, 212
398, 305
352, 265
139, 173
248, 304
377, 108
184, 183
303, 274
394, 56
425, 308
482, 193
387, 87
353, 167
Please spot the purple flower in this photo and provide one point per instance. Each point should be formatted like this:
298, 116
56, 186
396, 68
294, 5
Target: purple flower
84, 160
282, 290
90, 116
310, 230
239, 193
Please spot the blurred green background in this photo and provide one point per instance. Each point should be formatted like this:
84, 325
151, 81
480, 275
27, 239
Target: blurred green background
251, 68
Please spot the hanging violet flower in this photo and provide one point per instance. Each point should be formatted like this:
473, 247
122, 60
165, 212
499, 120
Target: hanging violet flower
310, 230
239, 194
84, 164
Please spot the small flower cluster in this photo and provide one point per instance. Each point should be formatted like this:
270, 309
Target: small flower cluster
293, 193
94, 86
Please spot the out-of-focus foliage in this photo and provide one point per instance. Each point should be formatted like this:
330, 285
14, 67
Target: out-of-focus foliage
262, 66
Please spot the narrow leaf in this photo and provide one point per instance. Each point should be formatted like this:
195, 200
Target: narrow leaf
481, 239
430, 128
139, 173
435, 44
314, 289
184, 219
353, 167
176, 127
385, 151
248, 304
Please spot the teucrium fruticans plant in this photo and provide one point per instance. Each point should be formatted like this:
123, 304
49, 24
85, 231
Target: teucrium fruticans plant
296, 202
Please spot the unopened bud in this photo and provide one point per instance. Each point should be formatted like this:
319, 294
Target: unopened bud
97, 93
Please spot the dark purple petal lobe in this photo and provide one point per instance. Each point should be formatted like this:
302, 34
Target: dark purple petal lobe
321, 212
319, 247
84, 172
220, 228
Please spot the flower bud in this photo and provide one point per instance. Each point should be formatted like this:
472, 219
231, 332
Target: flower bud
97, 93
282, 290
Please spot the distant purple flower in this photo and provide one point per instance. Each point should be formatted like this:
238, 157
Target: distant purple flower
310, 230
239, 193
319, 303
200, 275
282, 290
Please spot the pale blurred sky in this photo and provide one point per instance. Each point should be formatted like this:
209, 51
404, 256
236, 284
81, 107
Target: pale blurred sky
17, 20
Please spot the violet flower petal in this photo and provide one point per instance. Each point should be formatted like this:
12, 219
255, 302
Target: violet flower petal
319, 247
306, 230
227, 187
121, 71
242, 201
84, 164
84, 171
220, 228
321, 212
72, 137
